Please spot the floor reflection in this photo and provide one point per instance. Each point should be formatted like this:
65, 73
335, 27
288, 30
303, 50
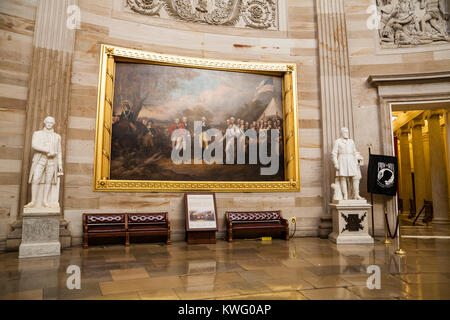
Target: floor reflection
302, 268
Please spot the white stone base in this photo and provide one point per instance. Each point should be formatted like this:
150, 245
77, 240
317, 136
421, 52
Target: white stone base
41, 249
346, 208
354, 239
40, 233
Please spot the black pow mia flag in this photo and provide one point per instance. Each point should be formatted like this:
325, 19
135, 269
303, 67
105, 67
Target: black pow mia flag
382, 175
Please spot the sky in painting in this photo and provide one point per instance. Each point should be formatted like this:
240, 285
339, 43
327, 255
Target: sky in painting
220, 92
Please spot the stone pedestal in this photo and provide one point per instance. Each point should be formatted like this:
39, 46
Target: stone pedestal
40, 233
350, 222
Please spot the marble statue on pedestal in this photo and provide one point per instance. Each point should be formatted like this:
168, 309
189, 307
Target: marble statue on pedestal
46, 167
347, 161
349, 209
41, 217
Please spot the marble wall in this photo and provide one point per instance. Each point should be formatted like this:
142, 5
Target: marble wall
103, 21
368, 58
16, 47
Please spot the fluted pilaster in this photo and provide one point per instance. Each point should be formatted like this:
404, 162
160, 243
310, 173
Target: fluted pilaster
50, 78
336, 98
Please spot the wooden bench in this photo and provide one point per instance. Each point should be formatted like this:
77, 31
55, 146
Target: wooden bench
146, 224
253, 224
125, 225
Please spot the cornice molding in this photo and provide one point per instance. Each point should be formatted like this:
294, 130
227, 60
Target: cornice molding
408, 78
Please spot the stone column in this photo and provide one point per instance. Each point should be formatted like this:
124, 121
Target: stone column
419, 162
336, 97
447, 140
406, 191
48, 94
438, 170
426, 154
50, 78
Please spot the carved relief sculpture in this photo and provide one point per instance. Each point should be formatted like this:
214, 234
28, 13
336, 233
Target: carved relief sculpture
412, 22
257, 14
46, 167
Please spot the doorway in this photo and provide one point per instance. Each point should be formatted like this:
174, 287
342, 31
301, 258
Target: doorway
421, 142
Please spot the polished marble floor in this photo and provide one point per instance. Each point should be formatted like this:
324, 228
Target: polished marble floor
302, 268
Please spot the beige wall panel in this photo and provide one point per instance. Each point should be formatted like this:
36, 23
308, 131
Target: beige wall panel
441, 55
13, 153
25, 9
100, 7
76, 180
13, 78
103, 24
80, 151
16, 24
15, 47
7, 139
9, 178
8, 165
16, 37
309, 138
367, 59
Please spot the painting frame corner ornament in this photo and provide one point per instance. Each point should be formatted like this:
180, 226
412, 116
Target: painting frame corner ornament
120, 168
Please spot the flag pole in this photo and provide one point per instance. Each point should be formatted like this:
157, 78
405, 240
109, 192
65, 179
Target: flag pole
386, 226
371, 202
399, 251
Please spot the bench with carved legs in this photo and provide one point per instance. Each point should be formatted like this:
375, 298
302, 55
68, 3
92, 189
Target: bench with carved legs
254, 224
102, 225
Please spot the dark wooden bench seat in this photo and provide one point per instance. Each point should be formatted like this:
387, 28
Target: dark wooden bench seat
145, 224
253, 224
96, 225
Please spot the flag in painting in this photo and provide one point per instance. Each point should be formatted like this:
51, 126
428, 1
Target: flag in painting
265, 86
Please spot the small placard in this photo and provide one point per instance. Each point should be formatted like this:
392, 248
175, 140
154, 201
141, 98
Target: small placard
201, 213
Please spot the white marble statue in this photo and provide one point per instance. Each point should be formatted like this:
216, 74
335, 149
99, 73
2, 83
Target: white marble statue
347, 162
46, 167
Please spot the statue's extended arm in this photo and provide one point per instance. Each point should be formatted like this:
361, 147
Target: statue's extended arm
35, 144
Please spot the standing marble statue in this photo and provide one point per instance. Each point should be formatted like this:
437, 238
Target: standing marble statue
46, 167
347, 161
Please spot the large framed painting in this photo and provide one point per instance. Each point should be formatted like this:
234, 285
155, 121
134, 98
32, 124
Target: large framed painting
168, 123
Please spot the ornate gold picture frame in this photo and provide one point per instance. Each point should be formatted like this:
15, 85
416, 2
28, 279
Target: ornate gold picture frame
111, 56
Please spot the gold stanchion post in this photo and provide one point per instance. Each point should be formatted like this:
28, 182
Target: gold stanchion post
386, 237
399, 251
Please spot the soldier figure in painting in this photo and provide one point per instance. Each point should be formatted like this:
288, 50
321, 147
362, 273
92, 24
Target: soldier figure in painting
204, 137
46, 166
128, 115
347, 160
